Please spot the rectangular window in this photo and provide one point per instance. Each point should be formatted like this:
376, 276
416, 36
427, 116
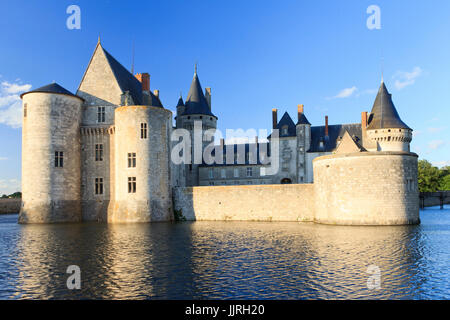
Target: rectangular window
131, 184
59, 159
100, 114
98, 152
249, 172
211, 173
25, 110
223, 173
144, 130
98, 185
236, 172
132, 160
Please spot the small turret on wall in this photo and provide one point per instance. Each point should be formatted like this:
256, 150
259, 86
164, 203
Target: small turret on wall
385, 128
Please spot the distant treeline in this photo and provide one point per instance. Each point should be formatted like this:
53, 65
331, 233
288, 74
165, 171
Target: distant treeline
432, 179
15, 195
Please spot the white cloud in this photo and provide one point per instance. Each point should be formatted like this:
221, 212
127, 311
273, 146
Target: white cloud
436, 130
345, 93
441, 164
404, 79
14, 87
11, 104
435, 144
9, 186
3, 158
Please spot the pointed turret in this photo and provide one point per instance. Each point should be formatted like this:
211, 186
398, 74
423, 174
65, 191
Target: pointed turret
196, 102
385, 127
384, 114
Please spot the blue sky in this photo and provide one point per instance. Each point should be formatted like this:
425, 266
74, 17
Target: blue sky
256, 55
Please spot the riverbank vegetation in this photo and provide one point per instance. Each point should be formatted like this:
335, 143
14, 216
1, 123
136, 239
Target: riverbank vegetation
15, 195
432, 179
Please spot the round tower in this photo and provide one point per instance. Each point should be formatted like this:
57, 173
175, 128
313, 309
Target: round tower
196, 118
51, 151
385, 127
142, 167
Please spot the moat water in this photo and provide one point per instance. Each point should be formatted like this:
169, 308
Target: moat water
226, 260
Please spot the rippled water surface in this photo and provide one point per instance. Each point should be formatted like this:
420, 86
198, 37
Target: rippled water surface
226, 260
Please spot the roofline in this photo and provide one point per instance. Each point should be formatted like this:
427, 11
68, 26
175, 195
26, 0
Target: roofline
89, 64
64, 94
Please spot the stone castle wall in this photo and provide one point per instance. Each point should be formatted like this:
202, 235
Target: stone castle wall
250, 203
369, 188
10, 205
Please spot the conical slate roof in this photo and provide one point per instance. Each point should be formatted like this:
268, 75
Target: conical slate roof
180, 102
303, 119
196, 102
383, 114
286, 120
52, 88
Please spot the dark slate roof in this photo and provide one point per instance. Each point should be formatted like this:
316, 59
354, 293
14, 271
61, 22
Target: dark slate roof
303, 119
248, 147
196, 102
180, 102
286, 120
126, 81
384, 114
154, 101
335, 133
52, 88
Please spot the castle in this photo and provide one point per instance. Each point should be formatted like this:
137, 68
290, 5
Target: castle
104, 154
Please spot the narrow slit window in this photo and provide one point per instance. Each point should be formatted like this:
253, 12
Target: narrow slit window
131, 184
144, 130
25, 106
98, 185
99, 152
59, 159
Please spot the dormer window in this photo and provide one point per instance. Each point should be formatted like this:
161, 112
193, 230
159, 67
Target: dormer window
284, 130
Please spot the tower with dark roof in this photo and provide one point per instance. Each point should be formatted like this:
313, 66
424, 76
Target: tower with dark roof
385, 127
195, 115
303, 130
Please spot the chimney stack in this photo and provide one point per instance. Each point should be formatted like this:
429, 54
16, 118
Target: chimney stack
364, 120
326, 126
299, 111
256, 140
144, 78
222, 142
156, 93
274, 118
208, 96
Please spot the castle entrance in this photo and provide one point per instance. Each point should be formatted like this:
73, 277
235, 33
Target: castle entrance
286, 181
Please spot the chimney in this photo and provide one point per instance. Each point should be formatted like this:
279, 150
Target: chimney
222, 142
144, 78
299, 111
156, 93
274, 118
326, 126
256, 140
363, 120
208, 96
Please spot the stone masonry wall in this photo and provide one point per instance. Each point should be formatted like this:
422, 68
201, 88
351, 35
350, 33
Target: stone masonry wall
369, 188
10, 205
253, 203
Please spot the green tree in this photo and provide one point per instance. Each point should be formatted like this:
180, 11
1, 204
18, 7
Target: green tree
445, 181
429, 177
